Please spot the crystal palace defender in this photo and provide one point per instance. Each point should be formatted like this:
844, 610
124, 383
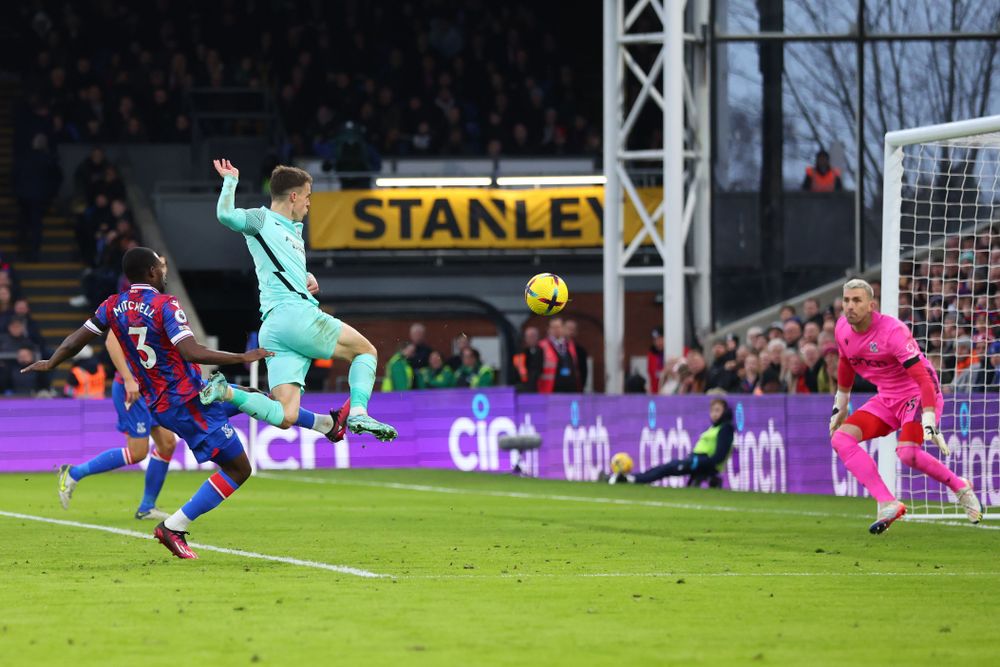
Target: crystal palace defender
293, 326
138, 425
909, 400
162, 354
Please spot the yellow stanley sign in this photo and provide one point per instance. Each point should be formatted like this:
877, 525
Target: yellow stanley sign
419, 218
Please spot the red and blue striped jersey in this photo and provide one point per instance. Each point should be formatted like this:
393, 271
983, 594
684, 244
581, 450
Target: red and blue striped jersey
148, 325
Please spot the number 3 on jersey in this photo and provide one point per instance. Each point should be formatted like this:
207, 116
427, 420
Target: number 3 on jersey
140, 344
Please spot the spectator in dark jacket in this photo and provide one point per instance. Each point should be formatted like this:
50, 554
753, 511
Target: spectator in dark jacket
814, 363
811, 312
771, 381
36, 181
89, 172
22, 311
421, 350
13, 338
13, 381
528, 362
750, 377
723, 373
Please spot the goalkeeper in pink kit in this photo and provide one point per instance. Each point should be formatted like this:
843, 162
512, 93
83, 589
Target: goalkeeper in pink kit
909, 400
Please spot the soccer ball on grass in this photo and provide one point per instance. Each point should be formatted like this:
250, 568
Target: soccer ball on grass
621, 463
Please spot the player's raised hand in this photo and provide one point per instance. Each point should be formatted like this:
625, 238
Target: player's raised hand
39, 366
312, 284
251, 356
226, 168
131, 393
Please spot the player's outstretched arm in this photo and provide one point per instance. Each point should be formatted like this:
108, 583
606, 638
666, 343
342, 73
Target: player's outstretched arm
226, 211
197, 353
66, 350
118, 359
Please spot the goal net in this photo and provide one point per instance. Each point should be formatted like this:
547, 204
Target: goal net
941, 275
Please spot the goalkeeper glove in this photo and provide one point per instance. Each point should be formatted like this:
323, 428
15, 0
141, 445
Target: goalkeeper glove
932, 432
839, 413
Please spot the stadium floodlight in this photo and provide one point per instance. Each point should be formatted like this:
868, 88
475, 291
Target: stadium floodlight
433, 181
531, 181
941, 211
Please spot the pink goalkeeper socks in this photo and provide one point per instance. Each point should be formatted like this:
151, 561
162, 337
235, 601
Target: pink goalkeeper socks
917, 458
862, 466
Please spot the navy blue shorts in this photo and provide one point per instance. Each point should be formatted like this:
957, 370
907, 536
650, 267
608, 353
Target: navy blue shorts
136, 422
205, 429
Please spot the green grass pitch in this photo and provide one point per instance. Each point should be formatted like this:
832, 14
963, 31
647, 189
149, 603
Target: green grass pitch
488, 570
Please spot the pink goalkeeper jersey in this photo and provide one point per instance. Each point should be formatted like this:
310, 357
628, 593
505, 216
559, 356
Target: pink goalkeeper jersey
878, 355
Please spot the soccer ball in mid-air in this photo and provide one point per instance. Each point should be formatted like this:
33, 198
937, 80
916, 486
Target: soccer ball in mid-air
546, 294
621, 463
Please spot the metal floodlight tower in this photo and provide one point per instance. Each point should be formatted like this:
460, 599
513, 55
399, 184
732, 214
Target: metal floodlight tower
682, 70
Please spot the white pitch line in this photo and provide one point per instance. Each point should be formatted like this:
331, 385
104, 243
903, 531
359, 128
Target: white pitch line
424, 488
692, 575
342, 569
557, 497
960, 524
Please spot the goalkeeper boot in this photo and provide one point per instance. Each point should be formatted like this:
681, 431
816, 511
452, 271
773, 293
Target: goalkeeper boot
970, 503
174, 540
214, 389
65, 484
365, 424
887, 514
152, 514
336, 434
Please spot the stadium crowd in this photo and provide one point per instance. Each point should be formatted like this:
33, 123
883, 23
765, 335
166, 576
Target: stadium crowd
467, 78
795, 354
951, 301
557, 363
21, 340
415, 365
104, 228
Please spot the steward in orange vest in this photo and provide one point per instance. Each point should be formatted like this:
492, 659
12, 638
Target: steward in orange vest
85, 383
822, 177
560, 372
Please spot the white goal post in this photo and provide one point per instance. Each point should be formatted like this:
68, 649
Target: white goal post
252, 425
941, 275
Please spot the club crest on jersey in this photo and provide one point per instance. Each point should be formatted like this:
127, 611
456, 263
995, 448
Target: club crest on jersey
227, 430
873, 346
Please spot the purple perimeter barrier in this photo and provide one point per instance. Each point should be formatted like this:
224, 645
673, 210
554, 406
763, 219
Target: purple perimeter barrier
781, 441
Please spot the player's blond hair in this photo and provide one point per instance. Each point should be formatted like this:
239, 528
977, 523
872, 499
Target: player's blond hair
858, 283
